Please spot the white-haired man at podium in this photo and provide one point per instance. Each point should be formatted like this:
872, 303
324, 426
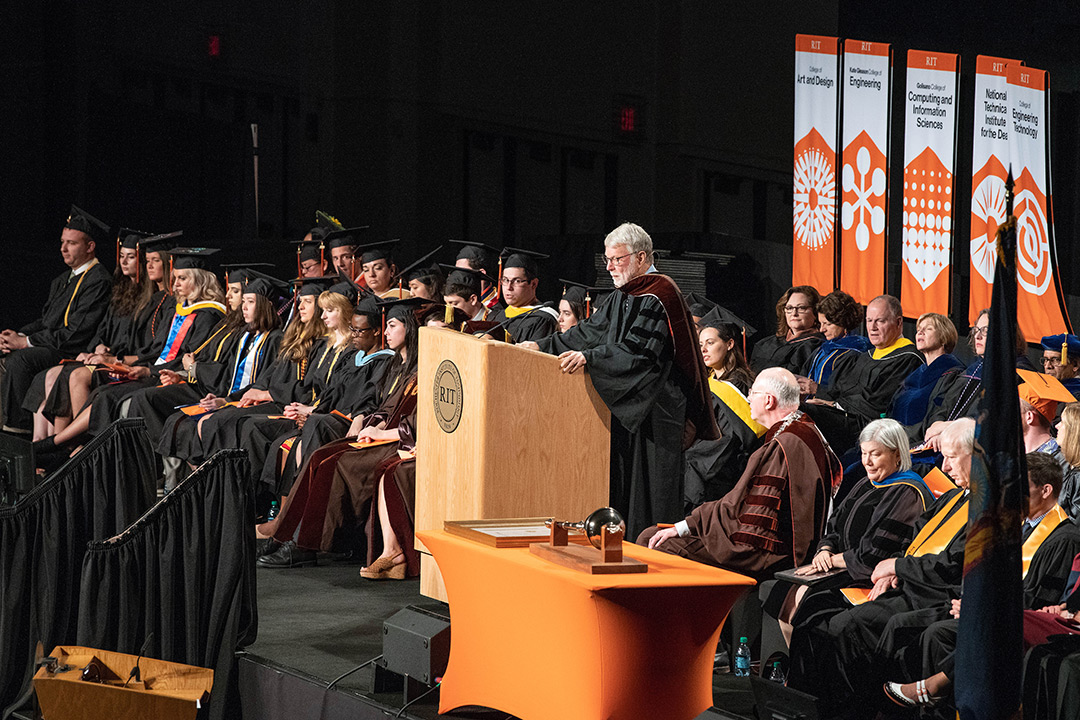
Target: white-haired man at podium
642, 355
775, 515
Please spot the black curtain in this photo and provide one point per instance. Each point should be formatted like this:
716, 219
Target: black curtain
185, 572
43, 538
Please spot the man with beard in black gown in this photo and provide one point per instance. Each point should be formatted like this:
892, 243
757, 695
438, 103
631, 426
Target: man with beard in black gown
640, 351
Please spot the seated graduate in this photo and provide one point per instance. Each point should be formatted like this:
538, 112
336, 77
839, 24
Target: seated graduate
925, 657
773, 518
194, 317
329, 503
229, 427
72, 312
699, 307
577, 303
1061, 358
426, 282
523, 318
862, 384
280, 383
357, 395
311, 254
1068, 439
838, 317
713, 466
927, 385
342, 245
873, 522
482, 258
134, 301
377, 269
463, 291
797, 335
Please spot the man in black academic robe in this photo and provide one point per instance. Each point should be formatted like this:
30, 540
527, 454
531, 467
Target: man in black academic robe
641, 354
76, 305
862, 384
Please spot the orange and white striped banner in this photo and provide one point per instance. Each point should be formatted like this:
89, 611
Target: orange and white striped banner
929, 183
864, 177
1039, 306
814, 185
989, 164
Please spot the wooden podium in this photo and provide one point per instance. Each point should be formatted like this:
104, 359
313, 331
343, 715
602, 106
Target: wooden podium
502, 433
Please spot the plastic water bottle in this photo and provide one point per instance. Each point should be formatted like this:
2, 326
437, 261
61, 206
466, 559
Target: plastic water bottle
272, 512
742, 659
777, 674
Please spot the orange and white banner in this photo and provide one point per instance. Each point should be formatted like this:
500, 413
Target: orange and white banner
1038, 302
816, 102
989, 166
864, 177
929, 157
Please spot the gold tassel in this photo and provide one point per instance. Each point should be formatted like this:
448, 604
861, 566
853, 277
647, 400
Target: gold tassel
448, 316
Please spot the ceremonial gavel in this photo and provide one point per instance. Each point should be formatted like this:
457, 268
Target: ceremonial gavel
599, 522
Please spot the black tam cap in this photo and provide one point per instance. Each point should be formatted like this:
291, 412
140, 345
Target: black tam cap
309, 249
368, 307
314, 285
86, 223
465, 276
398, 309
582, 295
270, 288
345, 286
719, 315
131, 239
161, 243
480, 256
192, 258
382, 250
349, 237
244, 273
698, 304
527, 260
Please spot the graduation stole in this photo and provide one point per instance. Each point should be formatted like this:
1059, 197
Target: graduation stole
1047, 525
329, 372
82, 276
181, 325
247, 360
730, 396
687, 353
911, 479
936, 534
513, 312
879, 353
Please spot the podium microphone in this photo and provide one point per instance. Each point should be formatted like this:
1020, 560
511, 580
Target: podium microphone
135, 674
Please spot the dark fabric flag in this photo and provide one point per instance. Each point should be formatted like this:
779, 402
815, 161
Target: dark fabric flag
989, 644
185, 572
96, 494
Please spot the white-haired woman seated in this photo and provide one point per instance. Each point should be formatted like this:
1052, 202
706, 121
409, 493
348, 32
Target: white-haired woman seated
873, 522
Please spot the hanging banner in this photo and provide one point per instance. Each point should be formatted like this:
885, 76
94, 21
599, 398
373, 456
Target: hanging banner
1039, 308
989, 166
864, 177
929, 156
814, 186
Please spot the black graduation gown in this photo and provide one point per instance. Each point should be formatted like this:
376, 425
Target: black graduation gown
69, 319
629, 352
714, 466
774, 351
534, 325
359, 397
105, 401
863, 388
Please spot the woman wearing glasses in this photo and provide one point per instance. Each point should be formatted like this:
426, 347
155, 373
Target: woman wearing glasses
797, 337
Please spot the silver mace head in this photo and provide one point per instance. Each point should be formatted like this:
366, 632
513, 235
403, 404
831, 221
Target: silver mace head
599, 521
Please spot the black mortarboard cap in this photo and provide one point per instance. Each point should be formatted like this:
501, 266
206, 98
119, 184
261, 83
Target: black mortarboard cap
720, 314
406, 306
191, 258
84, 222
314, 285
699, 304
345, 286
349, 237
527, 260
381, 250
270, 288
309, 249
576, 292
367, 306
131, 239
465, 276
245, 272
418, 265
480, 255
161, 243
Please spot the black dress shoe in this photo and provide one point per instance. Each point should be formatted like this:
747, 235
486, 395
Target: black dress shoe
288, 556
266, 546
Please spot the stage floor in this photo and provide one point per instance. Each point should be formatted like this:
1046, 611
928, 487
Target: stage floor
324, 621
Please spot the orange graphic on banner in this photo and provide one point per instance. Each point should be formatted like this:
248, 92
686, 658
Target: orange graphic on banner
813, 262
862, 220
924, 285
1037, 306
988, 203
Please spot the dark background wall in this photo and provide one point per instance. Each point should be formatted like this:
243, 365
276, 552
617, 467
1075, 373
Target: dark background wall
492, 121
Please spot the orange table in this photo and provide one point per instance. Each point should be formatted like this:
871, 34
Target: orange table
540, 641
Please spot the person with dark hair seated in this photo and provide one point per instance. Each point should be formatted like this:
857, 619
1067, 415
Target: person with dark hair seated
935, 338
862, 384
797, 335
462, 291
524, 318
714, 466
426, 282
838, 316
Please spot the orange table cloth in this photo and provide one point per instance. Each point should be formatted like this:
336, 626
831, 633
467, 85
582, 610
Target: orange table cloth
541, 641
